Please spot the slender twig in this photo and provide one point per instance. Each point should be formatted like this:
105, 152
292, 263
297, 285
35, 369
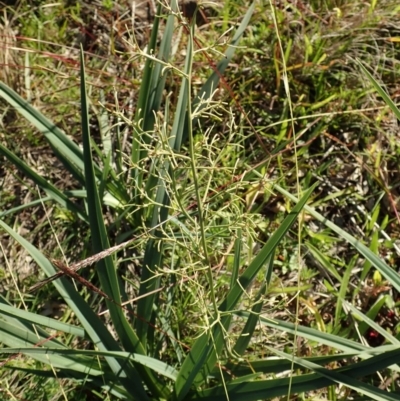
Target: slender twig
71, 270
73, 274
88, 261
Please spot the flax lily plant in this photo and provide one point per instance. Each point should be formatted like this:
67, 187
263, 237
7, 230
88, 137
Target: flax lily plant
140, 353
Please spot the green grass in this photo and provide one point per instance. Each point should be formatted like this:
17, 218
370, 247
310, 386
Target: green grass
258, 182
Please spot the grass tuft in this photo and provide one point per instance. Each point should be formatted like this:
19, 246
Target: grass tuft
248, 154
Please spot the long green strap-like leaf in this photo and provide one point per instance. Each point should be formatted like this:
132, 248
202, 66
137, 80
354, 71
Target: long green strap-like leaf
212, 82
153, 255
67, 151
63, 147
93, 326
252, 390
107, 272
381, 91
144, 118
44, 184
375, 260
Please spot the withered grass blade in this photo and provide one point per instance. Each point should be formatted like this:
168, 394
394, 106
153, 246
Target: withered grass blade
79, 265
